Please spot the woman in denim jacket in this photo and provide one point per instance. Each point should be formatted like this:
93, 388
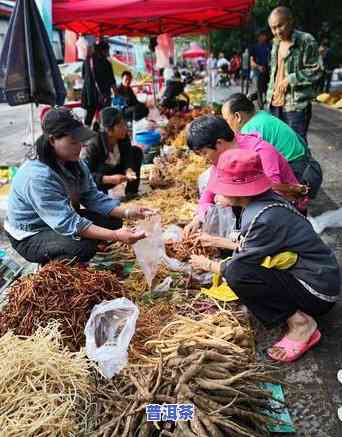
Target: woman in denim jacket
45, 220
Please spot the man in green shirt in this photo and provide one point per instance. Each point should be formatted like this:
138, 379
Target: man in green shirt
240, 114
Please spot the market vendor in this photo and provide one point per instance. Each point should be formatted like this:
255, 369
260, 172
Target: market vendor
210, 136
110, 156
269, 226
126, 92
45, 220
174, 88
240, 114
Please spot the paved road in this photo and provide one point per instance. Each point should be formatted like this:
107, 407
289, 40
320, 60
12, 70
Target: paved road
315, 393
14, 131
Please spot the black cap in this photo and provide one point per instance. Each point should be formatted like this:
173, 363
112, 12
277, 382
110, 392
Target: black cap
110, 117
62, 122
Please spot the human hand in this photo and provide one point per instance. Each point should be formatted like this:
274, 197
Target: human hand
200, 262
127, 236
208, 240
192, 227
131, 175
141, 212
283, 85
117, 179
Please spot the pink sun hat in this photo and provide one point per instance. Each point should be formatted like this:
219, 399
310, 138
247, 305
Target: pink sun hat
239, 173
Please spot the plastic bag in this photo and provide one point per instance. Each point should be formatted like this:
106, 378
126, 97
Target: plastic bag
175, 265
163, 288
108, 332
329, 219
151, 250
219, 221
173, 233
203, 180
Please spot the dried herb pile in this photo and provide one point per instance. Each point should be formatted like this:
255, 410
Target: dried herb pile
208, 363
182, 250
43, 386
58, 292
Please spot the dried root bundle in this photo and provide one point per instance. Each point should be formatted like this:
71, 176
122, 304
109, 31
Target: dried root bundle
43, 386
182, 250
58, 292
206, 363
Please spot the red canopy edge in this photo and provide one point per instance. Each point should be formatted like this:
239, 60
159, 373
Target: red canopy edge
149, 17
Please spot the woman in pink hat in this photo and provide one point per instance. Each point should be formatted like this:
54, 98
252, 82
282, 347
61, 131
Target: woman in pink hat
270, 225
211, 136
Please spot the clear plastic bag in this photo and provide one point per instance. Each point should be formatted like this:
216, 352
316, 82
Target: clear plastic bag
175, 265
219, 221
151, 250
203, 180
183, 267
173, 233
108, 332
329, 219
163, 288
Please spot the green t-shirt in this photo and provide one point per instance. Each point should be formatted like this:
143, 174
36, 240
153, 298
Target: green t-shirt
278, 133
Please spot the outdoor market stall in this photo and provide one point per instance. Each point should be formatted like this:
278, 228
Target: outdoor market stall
185, 349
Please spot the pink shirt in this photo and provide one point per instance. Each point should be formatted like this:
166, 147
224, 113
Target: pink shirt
275, 166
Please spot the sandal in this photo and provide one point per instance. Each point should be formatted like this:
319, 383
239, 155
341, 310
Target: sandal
295, 349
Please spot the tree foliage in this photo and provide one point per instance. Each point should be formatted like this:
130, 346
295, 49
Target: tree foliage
321, 18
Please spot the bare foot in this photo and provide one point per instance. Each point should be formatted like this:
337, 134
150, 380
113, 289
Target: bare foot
301, 327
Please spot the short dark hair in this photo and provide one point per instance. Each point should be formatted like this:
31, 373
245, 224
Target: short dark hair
262, 32
103, 45
127, 73
238, 102
110, 117
206, 130
282, 10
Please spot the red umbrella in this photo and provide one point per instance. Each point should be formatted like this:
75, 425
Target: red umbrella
195, 51
149, 17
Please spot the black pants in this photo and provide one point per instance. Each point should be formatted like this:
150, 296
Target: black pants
107, 101
132, 187
298, 167
47, 245
272, 295
261, 86
299, 121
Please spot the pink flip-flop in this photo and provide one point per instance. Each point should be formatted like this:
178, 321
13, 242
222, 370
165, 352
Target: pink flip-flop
295, 349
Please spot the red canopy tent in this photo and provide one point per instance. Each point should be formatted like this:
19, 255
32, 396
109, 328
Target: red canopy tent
194, 52
149, 17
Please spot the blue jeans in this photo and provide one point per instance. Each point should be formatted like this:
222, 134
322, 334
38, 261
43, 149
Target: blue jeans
298, 120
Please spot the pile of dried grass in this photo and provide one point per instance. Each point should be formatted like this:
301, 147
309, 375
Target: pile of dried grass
43, 386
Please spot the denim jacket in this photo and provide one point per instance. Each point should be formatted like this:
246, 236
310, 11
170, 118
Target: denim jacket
40, 199
303, 69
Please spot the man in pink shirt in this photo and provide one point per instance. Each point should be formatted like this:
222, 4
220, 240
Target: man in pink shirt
210, 136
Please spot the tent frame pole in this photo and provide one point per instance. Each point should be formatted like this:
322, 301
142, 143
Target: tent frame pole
32, 123
153, 80
209, 86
